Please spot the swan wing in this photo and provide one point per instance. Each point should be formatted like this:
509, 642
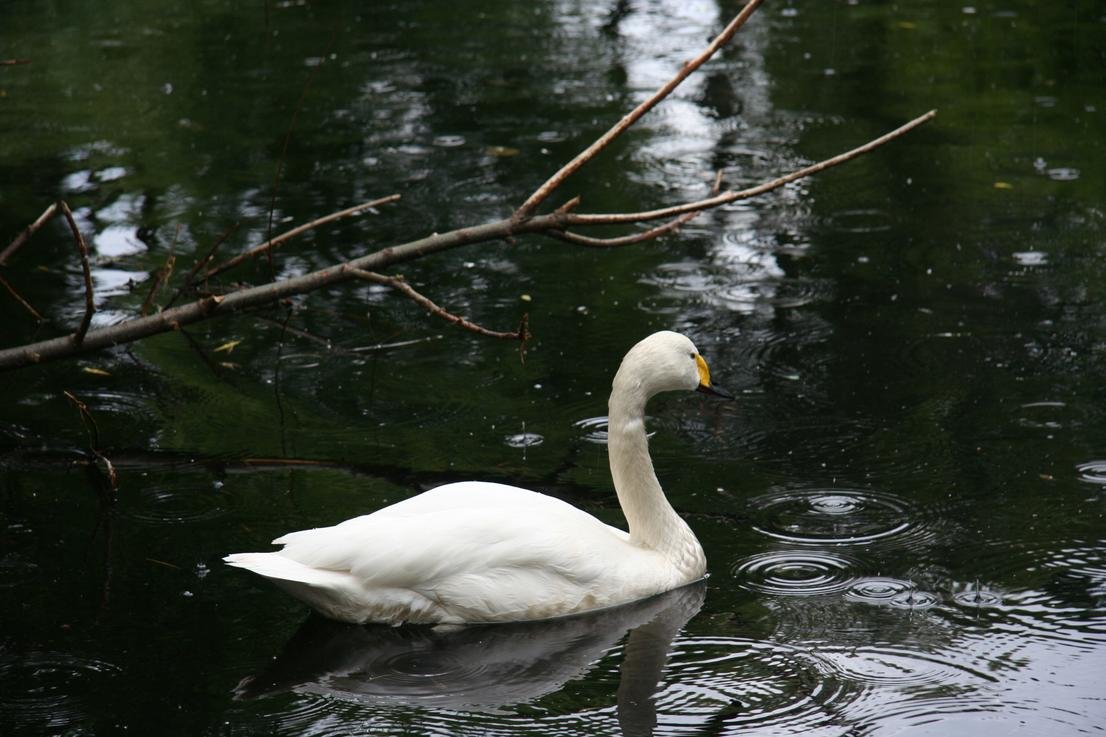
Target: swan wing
474, 551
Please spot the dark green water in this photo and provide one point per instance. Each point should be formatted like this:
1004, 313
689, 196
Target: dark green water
903, 513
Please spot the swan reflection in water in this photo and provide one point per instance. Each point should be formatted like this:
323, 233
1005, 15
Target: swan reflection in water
483, 667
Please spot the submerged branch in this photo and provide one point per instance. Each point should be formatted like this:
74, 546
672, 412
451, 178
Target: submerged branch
274, 242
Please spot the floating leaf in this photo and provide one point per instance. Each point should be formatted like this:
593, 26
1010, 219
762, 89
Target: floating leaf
228, 346
1003, 185
908, 25
502, 151
229, 365
526, 298
95, 371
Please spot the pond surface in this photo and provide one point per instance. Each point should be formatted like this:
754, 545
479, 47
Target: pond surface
903, 513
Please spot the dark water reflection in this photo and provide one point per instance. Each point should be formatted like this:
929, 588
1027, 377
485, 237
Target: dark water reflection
489, 669
904, 513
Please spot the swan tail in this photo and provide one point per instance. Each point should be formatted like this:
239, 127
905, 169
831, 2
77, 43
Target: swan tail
276, 566
336, 594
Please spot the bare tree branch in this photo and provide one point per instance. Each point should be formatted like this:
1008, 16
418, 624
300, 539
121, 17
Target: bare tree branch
93, 431
201, 263
82, 249
19, 298
160, 278
547, 188
727, 197
523, 221
400, 285
30, 230
626, 240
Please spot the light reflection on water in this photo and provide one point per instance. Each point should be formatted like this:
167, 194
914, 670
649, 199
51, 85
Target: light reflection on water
902, 511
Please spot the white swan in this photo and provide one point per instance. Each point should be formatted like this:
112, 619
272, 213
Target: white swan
481, 552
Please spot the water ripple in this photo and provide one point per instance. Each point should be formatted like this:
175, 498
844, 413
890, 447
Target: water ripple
830, 516
752, 685
182, 502
877, 590
1093, 472
915, 599
49, 690
796, 573
896, 666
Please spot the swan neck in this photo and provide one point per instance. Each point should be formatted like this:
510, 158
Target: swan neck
652, 521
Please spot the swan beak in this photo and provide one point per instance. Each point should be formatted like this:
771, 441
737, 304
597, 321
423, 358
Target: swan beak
705, 385
715, 390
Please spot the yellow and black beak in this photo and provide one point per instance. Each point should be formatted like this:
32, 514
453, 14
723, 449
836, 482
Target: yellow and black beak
704, 381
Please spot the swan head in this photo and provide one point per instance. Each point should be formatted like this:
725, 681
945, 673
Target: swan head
665, 361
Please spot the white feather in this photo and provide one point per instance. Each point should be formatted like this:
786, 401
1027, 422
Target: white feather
485, 552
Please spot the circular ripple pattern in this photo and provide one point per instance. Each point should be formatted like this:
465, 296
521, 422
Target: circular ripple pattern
523, 440
796, 573
915, 600
593, 429
180, 503
1093, 472
888, 666
735, 684
836, 516
977, 599
49, 690
877, 590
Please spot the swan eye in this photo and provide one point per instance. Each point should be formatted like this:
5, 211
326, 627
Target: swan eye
691, 355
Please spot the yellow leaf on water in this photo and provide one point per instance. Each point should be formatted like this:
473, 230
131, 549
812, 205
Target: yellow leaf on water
95, 371
502, 151
526, 298
1003, 185
228, 346
908, 25
228, 365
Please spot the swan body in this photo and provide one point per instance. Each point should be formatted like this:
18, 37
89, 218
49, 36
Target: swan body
484, 552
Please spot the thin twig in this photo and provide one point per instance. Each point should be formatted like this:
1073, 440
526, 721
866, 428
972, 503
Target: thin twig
82, 248
19, 298
87, 419
728, 197
274, 242
626, 240
161, 277
541, 193
245, 298
201, 263
13, 62
30, 230
407, 290
93, 432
